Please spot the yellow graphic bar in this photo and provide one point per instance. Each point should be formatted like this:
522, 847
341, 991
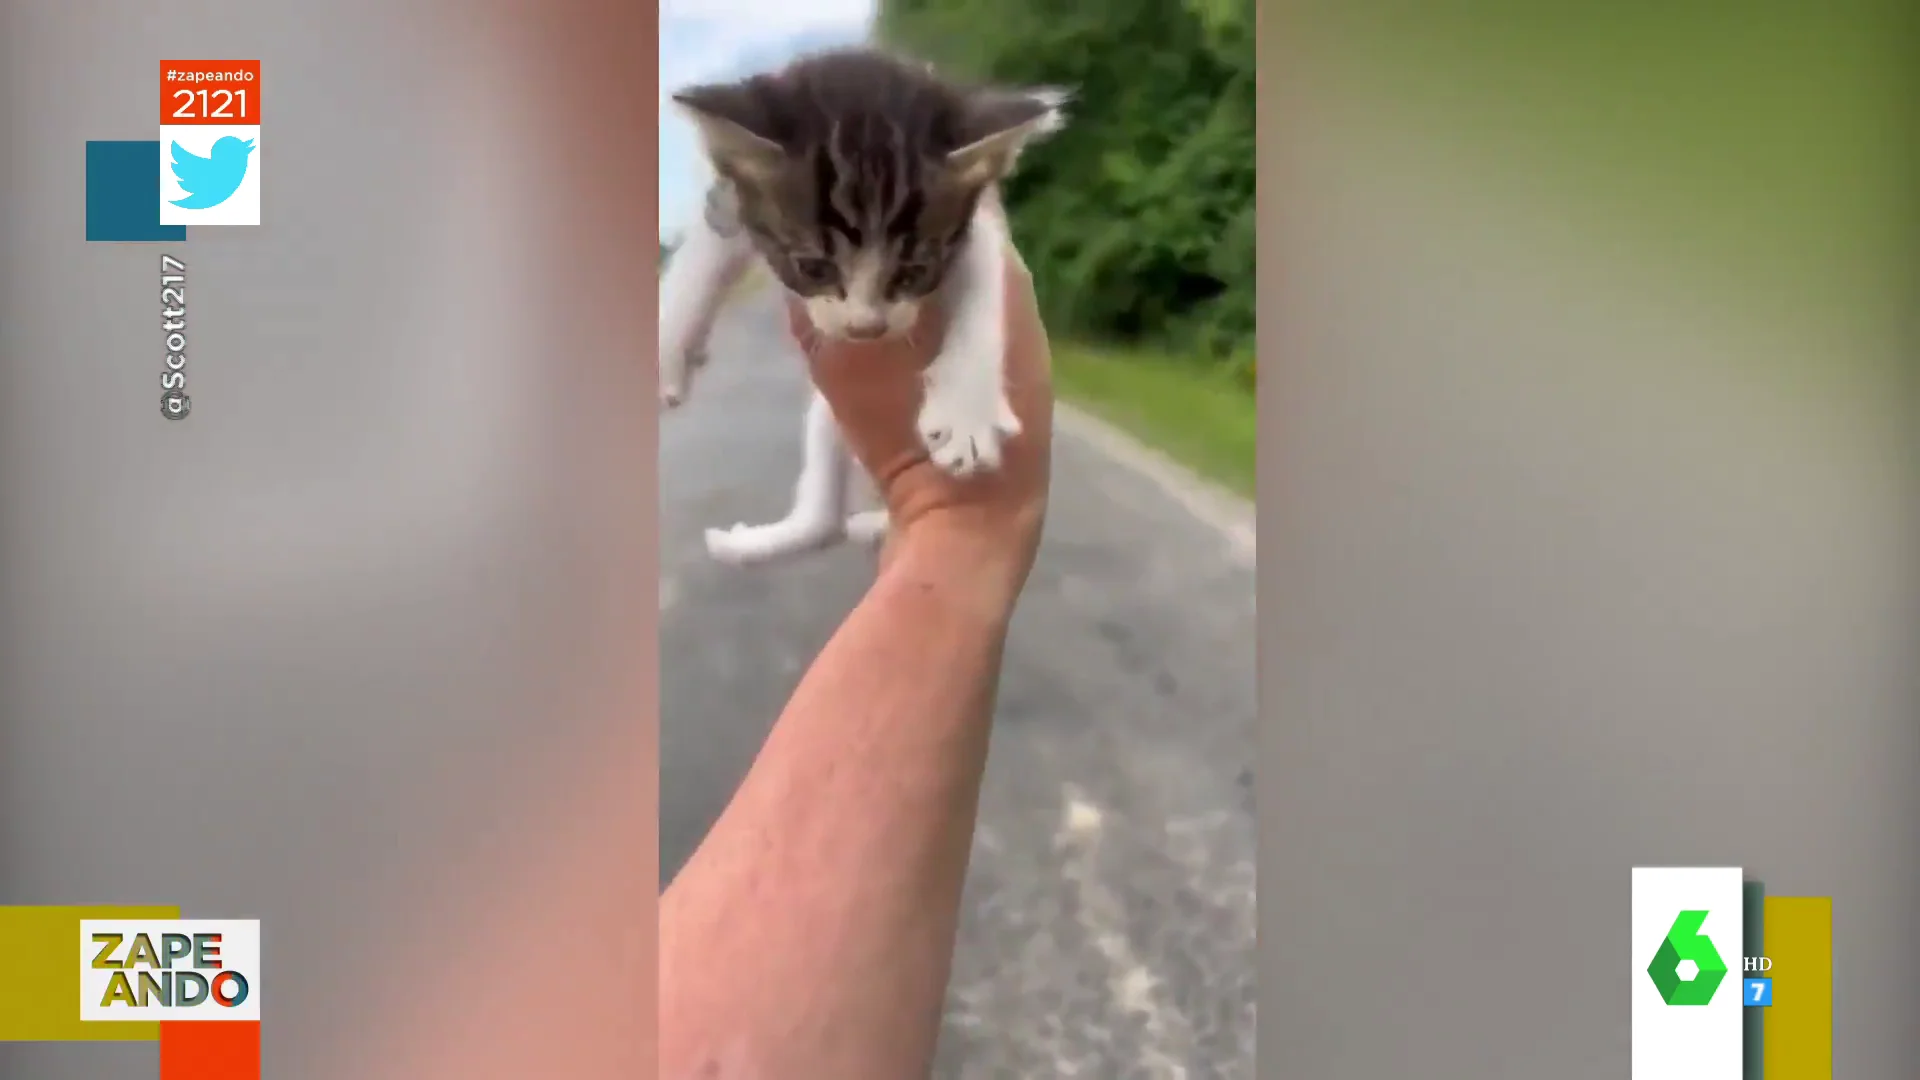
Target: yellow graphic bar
1799, 1024
40, 996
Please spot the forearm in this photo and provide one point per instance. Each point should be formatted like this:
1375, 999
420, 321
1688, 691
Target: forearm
812, 933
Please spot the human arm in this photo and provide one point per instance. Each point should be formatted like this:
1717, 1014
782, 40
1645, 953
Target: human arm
812, 932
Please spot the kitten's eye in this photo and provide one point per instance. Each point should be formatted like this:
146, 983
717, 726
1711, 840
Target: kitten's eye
814, 271
911, 278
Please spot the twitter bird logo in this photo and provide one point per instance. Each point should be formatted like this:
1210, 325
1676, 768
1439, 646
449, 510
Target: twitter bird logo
212, 180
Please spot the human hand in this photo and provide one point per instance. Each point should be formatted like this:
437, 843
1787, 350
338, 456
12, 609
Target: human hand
988, 523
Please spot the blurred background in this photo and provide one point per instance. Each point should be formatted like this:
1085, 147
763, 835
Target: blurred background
1588, 511
1109, 917
1587, 460
362, 648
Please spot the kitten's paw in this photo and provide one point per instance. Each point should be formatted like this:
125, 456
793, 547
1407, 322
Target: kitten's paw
963, 431
676, 380
673, 386
747, 545
736, 546
1007, 423
867, 527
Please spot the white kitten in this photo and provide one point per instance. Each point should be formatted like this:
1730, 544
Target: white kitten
862, 250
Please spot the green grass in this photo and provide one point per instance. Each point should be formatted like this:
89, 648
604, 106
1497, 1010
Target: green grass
1184, 409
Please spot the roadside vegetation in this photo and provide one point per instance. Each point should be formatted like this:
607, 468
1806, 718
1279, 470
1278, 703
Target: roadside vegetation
1137, 220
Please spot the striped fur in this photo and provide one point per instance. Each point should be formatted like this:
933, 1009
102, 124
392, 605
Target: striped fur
865, 183
856, 174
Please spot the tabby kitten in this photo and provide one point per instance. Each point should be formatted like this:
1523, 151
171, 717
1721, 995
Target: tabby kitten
867, 184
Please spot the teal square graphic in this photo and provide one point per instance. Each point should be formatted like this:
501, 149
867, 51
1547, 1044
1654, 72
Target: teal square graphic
1758, 993
123, 193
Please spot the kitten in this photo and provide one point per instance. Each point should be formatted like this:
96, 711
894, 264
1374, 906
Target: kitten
867, 185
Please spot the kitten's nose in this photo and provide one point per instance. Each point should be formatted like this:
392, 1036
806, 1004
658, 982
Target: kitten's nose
865, 329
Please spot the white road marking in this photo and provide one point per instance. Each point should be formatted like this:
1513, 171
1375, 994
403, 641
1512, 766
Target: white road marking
1083, 818
1132, 986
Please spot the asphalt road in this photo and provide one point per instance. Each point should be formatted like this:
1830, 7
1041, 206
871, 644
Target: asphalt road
1109, 924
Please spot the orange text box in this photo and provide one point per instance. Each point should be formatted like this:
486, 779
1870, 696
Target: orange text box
210, 92
209, 1050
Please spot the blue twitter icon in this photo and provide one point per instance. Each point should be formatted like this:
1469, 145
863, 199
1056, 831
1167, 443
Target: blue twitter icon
211, 180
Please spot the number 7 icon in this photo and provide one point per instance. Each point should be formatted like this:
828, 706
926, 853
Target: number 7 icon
1759, 993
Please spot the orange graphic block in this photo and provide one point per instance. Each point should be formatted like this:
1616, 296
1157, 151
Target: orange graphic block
209, 1050
225, 92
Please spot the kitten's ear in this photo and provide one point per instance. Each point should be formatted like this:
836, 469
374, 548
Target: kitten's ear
1000, 124
733, 125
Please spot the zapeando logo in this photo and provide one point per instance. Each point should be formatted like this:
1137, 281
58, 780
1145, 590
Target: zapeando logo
1685, 945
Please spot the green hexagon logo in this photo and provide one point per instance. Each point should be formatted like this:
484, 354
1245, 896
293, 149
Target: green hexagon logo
1685, 943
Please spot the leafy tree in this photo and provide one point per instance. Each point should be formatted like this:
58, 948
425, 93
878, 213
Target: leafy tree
1138, 219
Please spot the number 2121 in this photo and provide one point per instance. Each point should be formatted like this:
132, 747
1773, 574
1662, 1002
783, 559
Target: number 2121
213, 104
